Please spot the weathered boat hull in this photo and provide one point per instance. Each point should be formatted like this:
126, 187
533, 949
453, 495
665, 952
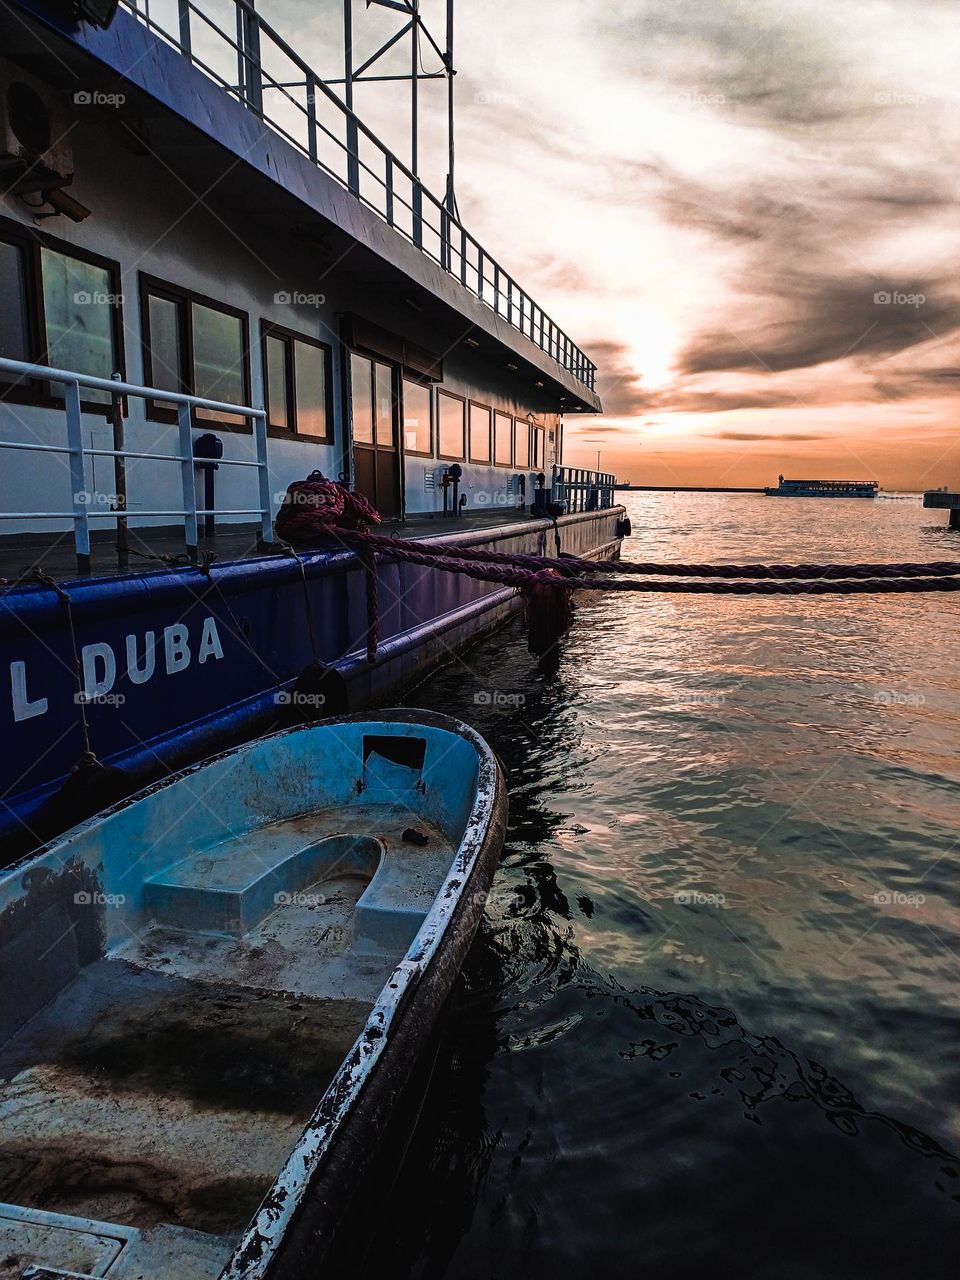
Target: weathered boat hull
172, 896
357, 1155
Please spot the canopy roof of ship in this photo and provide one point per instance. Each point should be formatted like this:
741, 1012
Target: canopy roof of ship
316, 168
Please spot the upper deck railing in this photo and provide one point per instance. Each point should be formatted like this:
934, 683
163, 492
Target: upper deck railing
231, 43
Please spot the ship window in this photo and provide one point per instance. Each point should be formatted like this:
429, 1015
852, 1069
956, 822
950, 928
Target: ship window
479, 433
166, 344
195, 346
417, 434
218, 360
275, 360
78, 302
14, 322
383, 381
536, 459
503, 439
361, 394
521, 443
61, 307
451, 426
311, 383
296, 376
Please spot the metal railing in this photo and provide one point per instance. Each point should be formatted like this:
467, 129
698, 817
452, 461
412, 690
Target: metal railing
77, 452
582, 490
257, 67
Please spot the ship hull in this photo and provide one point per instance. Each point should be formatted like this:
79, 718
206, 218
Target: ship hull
178, 663
812, 493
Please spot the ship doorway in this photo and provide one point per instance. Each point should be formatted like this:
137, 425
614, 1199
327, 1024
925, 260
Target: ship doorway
374, 388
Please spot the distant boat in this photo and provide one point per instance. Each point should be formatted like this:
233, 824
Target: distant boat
824, 489
214, 995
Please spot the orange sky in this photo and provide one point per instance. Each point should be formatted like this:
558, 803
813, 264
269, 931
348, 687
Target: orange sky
745, 211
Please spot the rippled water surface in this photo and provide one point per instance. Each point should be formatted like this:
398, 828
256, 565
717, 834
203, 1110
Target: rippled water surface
708, 1026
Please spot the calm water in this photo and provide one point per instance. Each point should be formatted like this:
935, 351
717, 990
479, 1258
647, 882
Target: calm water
708, 1027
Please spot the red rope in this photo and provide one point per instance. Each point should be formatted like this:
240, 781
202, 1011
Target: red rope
576, 564
318, 508
545, 574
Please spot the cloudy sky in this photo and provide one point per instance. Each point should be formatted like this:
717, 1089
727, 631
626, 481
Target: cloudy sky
744, 210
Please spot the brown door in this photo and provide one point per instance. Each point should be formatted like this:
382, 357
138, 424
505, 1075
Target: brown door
376, 453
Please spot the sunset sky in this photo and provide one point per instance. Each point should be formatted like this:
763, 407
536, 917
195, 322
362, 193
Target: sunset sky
743, 210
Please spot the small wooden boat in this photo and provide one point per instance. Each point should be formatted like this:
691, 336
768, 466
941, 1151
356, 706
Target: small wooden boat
213, 994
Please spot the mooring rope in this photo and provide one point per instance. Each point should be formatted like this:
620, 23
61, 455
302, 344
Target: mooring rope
571, 564
796, 581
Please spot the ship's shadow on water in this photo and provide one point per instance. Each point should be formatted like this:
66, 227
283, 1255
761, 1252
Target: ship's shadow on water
575, 1125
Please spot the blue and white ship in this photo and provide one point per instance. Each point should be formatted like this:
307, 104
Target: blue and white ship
215, 280
823, 489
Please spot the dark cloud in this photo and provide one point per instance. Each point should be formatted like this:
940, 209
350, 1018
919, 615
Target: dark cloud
774, 63
757, 435
819, 319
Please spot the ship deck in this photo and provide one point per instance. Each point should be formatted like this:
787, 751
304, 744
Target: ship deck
22, 555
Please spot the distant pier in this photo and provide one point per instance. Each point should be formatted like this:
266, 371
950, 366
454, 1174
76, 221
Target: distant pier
940, 500
683, 488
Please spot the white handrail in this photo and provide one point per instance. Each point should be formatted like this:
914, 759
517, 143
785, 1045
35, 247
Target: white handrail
72, 381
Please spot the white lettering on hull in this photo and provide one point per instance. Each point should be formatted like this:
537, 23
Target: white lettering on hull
98, 664
94, 685
23, 707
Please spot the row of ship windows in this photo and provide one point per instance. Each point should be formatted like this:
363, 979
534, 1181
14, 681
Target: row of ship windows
459, 428
65, 310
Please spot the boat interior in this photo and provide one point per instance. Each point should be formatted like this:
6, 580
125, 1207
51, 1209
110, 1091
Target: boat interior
183, 978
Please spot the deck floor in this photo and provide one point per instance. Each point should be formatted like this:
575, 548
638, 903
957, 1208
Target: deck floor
20, 555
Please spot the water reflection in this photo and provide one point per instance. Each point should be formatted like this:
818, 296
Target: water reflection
708, 1024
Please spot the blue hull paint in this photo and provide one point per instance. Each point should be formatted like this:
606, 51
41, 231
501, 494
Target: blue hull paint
224, 645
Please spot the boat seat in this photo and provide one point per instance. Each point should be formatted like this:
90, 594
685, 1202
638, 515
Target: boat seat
233, 886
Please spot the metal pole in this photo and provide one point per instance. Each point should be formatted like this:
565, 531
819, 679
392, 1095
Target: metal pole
451, 196
263, 474
120, 481
183, 7
353, 142
414, 85
190, 530
78, 481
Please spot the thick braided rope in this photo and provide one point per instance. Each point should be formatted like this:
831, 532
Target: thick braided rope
545, 574
576, 564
